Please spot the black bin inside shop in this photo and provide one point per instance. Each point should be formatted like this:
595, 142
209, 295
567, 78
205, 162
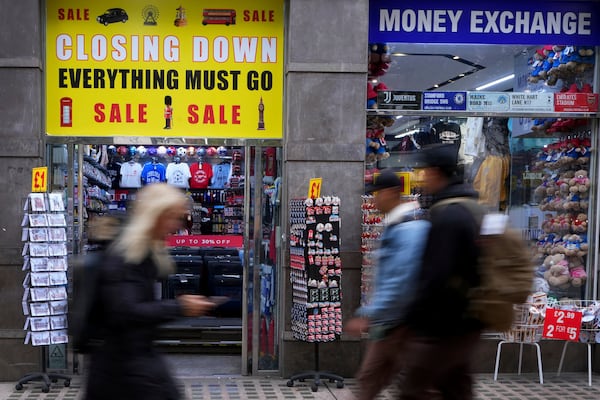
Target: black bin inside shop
225, 278
186, 251
221, 251
188, 264
178, 284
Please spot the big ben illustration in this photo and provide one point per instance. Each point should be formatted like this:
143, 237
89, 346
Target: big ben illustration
261, 116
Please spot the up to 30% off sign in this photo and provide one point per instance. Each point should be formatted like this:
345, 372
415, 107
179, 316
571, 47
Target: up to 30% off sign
562, 324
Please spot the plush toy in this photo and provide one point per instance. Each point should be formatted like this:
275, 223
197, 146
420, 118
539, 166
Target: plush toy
584, 152
580, 181
548, 223
577, 271
371, 96
548, 61
563, 182
535, 64
572, 244
580, 223
557, 272
376, 146
379, 59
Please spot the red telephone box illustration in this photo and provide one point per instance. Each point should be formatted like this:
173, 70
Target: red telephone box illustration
66, 111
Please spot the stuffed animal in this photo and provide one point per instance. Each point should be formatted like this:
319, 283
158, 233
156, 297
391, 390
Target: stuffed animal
584, 152
371, 96
557, 272
572, 244
376, 146
577, 271
580, 181
379, 59
579, 224
536, 63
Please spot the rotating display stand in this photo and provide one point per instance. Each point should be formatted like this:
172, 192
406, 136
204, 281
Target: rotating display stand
47, 378
45, 295
315, 274
316, 375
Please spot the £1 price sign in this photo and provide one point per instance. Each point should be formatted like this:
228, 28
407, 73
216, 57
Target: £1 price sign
39, 179
562, 324
314, 188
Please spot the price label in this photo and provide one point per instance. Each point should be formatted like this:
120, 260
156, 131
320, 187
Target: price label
314, 188
39, 179
562, 324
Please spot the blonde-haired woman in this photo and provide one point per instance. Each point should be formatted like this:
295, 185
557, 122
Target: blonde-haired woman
126, 365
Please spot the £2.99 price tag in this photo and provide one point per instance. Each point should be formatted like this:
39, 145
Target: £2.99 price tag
562, 324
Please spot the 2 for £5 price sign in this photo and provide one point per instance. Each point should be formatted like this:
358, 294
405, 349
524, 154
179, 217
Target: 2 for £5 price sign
562, 324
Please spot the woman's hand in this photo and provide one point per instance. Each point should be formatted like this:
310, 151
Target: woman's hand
194, 305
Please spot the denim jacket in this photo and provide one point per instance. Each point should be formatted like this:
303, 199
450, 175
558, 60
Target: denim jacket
397, 267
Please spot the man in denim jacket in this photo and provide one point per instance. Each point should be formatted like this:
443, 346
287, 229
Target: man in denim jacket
398, 260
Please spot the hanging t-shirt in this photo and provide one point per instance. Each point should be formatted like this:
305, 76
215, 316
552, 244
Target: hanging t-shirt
201, 173
221, 175
178, 174
153, 172
114, 168
131, 173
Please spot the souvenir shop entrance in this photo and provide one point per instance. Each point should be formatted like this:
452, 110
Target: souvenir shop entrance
226, 248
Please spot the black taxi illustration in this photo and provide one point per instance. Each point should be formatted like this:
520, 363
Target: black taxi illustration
112, 15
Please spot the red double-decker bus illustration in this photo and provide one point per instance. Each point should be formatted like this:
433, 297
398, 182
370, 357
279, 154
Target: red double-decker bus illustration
224, 16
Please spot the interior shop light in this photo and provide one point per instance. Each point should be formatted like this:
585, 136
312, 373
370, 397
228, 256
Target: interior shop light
407, 133
497, 81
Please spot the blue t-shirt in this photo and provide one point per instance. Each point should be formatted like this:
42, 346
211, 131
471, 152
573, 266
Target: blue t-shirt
153, 173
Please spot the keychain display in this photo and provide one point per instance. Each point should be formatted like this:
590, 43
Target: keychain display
316, 269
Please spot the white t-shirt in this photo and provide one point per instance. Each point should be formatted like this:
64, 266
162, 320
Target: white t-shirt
221, 175
178, 174
131, 173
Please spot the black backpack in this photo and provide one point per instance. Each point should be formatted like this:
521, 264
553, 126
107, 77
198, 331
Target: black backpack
85, 327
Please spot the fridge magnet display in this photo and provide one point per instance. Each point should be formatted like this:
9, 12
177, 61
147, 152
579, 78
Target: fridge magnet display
57, 278
58, 336
57, 249
27, 281
40, 279
56, 202
38, 234
57, 235
57, 264
38, 338
37, 324
40, 309
39, 264
58, 322
57, 293
38, 249
37, 202
58, 307
40, 294
56, 220
36, 220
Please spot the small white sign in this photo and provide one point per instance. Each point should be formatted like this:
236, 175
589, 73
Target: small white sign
488, 101
531, 102
494, 224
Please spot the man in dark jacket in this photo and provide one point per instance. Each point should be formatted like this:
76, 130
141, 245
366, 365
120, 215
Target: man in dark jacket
443, 336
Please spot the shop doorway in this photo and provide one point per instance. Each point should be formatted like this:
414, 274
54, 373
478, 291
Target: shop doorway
226, 249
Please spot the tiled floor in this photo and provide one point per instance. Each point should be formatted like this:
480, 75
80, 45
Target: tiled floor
514, 387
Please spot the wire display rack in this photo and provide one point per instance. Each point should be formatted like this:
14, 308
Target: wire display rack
590, 320
527, 328
590, 328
